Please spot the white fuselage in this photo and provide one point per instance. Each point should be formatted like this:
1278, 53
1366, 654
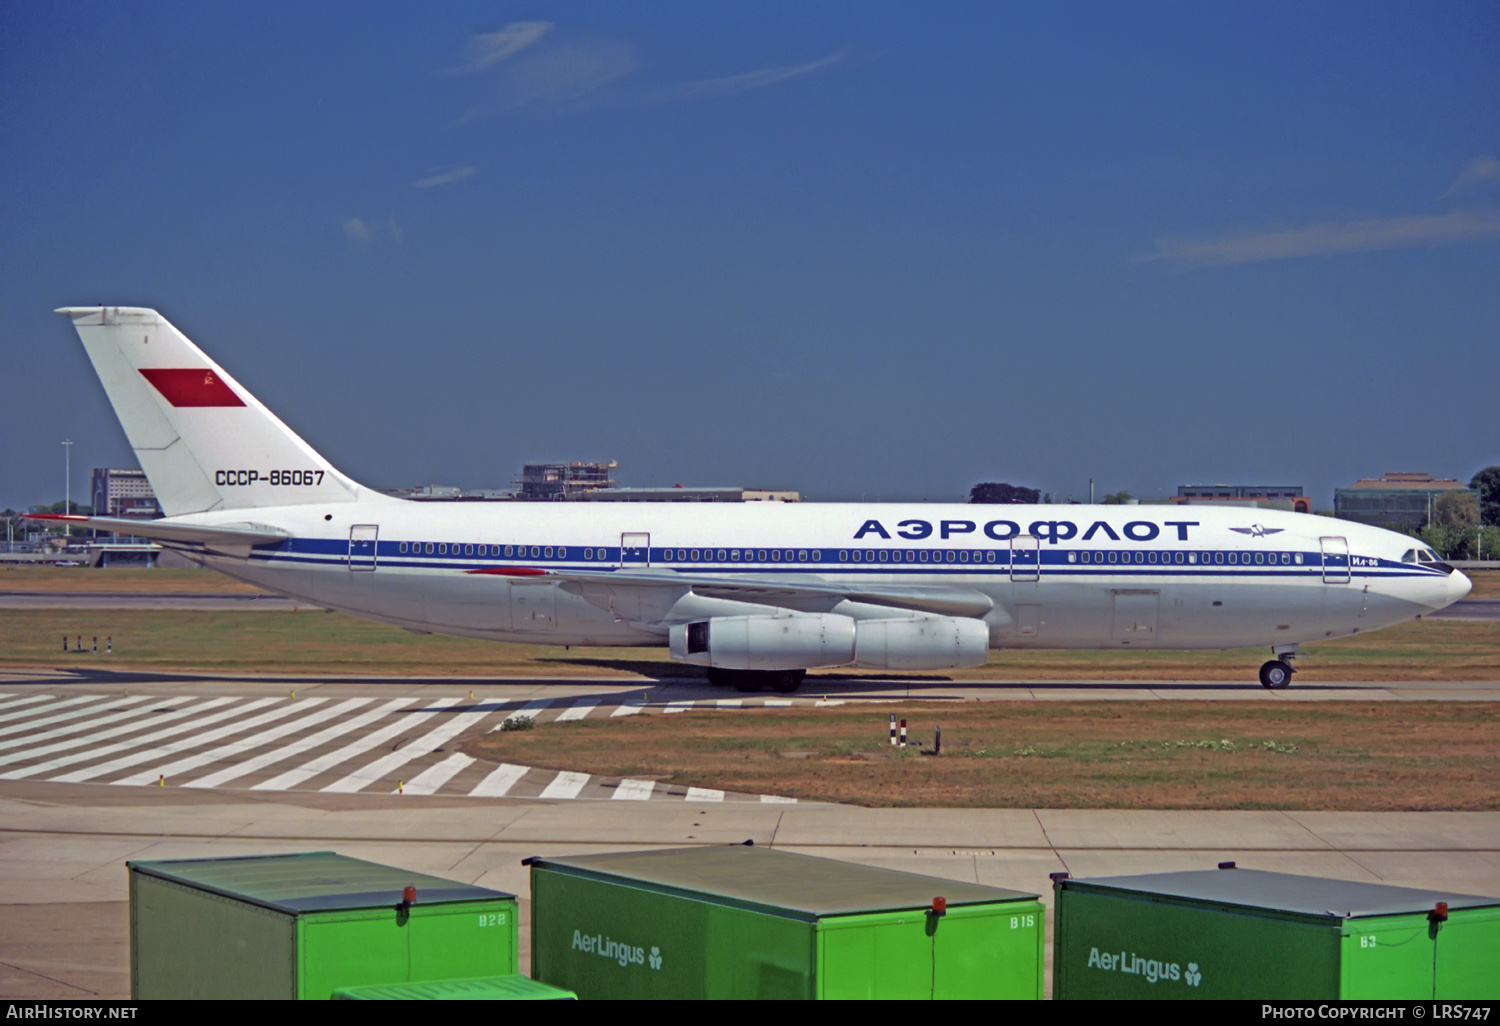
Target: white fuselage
1166, 577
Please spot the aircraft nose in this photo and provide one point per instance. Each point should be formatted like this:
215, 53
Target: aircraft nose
1458, 586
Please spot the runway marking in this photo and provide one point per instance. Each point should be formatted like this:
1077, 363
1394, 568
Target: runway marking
243, 745
298, 747
730, 703
633, 790
434, 777
92, 739
565, 785
578, 710
73, 728
771, 799
704, 794
678, 707
824, 702
32, 712
499, 782
778, 703
188, 744
628, 710
291, 778
432, 740
28, 700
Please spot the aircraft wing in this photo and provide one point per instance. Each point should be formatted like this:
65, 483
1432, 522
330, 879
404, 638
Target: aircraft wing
217, 538
800, 593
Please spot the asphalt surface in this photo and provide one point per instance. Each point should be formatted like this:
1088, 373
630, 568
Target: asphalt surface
101, 767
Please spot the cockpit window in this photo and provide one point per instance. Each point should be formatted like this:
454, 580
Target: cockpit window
1410, 556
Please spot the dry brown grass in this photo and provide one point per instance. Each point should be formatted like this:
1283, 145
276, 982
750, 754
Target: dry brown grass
1177, 755
331, 643
82, 580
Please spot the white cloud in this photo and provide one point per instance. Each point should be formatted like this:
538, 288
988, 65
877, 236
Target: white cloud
729, 85
1477, 172
568, 76
487, 49
1328, 238
446, 176
357, 232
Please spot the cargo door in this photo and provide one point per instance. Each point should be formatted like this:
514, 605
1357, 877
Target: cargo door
533, 607
1467, 950
1136, 613
635, 549
362, 539
1025, 558
1335, 560
874, 957
988, 953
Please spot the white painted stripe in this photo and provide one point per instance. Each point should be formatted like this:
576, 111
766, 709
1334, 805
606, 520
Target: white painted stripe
730, 703
91, 740
704, 794
45, 709
140, 711
778, 703
499, 783
244, 745
31, 739
771, 799
238, 770
634, 790
825, 702
434, 777
291, 778
628, 710
677, 707
578, 710
428, 742
532, 709
190, 743
565, 785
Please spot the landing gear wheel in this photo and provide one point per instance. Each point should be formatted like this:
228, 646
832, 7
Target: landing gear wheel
720, 678
784, 682
746, 680
1276, 674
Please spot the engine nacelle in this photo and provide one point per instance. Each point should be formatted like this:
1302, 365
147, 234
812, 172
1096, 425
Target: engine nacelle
827, 639
765, 642
926, 643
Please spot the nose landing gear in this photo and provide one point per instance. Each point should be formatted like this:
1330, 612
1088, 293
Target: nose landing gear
1276, 674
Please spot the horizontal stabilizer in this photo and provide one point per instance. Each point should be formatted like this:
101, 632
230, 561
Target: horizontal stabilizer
167, 531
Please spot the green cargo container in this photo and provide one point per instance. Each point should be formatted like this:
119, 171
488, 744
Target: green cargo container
745, 922
302, 926
486, 988
1242, 933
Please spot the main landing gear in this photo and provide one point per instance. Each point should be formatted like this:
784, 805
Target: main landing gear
781, 681
1276, 674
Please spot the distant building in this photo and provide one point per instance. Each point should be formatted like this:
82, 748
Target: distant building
428, 493
561, 482
115, 492
1264, 496
680, 493
1397, 499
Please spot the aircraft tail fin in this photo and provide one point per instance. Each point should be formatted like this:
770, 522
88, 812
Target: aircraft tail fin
204, 442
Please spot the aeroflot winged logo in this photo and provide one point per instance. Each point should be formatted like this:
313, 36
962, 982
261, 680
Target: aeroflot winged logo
191, 386
1256, 531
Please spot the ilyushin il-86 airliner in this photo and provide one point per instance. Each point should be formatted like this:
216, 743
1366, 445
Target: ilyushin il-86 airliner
755, 593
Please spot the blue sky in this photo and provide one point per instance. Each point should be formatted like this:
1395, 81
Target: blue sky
881, 250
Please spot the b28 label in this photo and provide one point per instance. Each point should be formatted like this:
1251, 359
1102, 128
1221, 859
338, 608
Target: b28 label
275, 478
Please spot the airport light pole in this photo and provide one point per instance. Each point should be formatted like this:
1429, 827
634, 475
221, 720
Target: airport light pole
67, 485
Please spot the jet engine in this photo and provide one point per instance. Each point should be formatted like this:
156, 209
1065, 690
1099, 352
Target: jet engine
827, 639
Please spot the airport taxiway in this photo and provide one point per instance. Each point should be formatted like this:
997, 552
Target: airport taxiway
259, 764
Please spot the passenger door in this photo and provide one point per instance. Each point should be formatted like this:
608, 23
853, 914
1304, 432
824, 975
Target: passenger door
1335, 560
362, 541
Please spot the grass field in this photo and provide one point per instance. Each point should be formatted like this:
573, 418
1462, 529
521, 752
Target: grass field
1179, 755
331, 643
